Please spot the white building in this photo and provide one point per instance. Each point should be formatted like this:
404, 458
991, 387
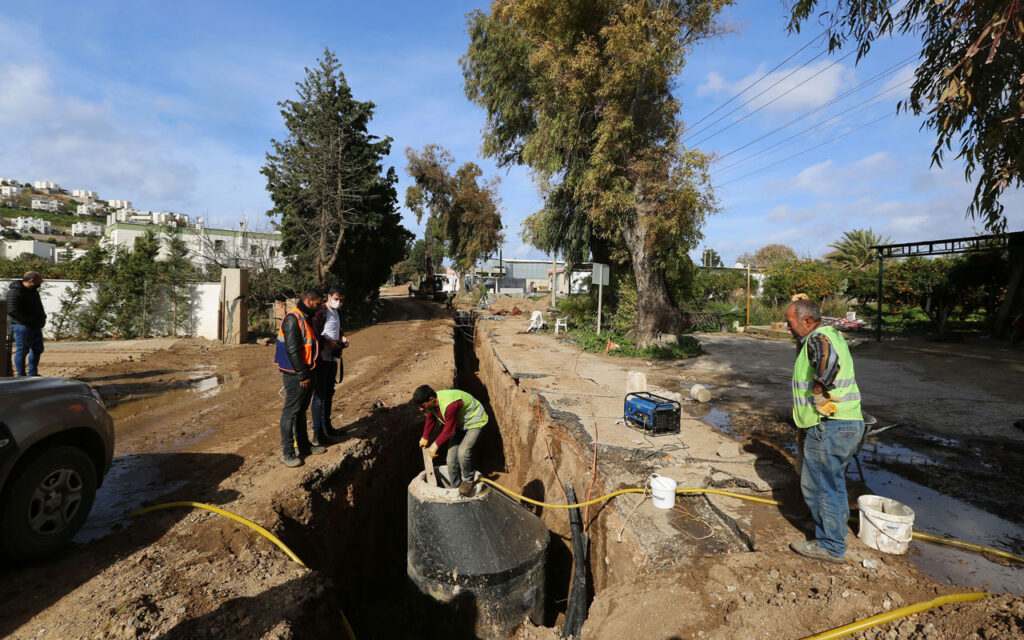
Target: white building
12, 249
68, 254
46, 186
90, 209
9, 191
205, 246
86, 228
120, 204
82, 193
45, 204
10, 181
24, 224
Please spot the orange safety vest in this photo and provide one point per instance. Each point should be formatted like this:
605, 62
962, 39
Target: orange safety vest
310, 347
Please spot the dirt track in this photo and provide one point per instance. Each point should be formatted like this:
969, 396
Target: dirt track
199, 422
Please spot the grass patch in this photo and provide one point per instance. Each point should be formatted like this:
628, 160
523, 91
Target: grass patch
57, 219
588, 340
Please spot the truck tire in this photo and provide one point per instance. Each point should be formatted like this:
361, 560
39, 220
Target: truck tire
45, 505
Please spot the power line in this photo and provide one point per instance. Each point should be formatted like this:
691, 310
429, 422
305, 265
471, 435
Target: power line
746, 88
855, 109
831, 102
800, 153
781, 95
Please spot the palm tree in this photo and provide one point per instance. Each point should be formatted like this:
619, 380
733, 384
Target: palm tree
854, 250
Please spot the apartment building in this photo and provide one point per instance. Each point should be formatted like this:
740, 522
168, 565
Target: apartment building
86, 229
25, 224
13, 249
84, 193
46, 186
119, 204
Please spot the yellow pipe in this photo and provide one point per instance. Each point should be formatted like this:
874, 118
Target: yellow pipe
227, 514
966, 546
924, 537
895, 614
252, 525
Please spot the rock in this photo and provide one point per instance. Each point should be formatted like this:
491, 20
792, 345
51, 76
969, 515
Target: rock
729, 450
868, 563
774, 574
263, 341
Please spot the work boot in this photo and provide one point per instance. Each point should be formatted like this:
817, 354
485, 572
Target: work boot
466, 488
312, 450
813, 549
321, 439
291, 460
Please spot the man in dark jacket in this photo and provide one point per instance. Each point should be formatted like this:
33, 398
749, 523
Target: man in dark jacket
296, 357
25, 309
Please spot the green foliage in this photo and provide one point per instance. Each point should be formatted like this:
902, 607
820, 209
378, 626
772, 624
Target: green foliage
462, 211
337, 204
710, 258
56, 219
967, 80
624, 319
767, 256
854, 250
582, 93
813, 278
720, 284
588, 340
579, 310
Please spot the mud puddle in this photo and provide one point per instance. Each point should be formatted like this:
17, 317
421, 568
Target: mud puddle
132, 481
136, 406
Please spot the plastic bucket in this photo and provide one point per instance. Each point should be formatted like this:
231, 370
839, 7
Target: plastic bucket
664, 491
885, 524
636, 381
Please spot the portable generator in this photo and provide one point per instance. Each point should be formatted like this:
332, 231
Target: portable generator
650, 413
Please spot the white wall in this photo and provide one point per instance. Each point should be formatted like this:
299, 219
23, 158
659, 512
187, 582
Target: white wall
205, 306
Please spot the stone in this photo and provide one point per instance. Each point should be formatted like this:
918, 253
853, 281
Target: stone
729, 450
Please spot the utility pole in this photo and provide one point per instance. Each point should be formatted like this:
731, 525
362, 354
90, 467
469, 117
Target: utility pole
747, 326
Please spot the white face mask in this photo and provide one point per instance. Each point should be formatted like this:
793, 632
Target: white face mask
334, 304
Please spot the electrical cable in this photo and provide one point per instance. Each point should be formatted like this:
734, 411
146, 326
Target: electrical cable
249, 523
800, 153
807, 114
778, 97
768, 73
924, 537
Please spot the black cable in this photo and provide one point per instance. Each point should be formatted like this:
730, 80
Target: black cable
747, 88
843, 135
781, 95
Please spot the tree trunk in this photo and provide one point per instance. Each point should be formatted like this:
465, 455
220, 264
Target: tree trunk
656, 314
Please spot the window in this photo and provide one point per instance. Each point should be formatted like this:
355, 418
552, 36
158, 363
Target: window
254, 251
273, 252
218, 245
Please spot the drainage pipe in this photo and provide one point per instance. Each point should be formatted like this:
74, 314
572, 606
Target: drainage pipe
896, 614
924, 537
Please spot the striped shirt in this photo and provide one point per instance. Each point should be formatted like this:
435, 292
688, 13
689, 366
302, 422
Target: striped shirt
824, 360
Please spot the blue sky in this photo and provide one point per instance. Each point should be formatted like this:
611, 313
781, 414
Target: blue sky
174, 108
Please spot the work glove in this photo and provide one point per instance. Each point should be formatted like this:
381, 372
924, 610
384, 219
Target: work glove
432, 450
824, 406
423, 442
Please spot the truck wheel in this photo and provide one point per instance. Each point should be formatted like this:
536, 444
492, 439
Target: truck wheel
47, 503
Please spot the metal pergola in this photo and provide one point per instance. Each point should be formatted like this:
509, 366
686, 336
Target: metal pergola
950, 246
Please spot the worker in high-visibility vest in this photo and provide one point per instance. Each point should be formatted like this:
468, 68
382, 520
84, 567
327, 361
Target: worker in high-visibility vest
463, 418
826, 409
296, 356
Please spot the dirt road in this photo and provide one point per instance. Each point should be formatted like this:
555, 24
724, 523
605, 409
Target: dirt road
199, 421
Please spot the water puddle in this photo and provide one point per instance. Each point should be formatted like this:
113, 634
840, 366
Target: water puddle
942, 515
133, 480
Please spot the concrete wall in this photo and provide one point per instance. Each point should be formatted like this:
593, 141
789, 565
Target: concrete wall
205, 305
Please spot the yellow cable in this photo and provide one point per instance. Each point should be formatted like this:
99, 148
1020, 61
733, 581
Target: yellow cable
249, 523
227, 514
924, 537
895, 614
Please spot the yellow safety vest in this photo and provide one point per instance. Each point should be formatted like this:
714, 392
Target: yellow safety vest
846, 394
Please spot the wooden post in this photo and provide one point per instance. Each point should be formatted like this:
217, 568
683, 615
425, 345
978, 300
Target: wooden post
747, 325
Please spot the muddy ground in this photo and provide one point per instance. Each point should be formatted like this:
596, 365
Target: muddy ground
197, 421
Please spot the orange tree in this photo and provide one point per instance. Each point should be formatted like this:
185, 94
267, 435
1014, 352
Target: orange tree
815, 279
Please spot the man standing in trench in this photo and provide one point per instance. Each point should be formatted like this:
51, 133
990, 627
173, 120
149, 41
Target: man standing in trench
826, 408
296, 355
463, 418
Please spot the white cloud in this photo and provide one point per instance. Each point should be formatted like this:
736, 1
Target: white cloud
794, 88
901, 79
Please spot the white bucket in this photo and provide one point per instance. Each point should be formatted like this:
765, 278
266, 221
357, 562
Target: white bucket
885, 524
636, 381
664, 491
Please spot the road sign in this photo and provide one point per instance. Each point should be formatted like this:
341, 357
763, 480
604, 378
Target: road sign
600, 275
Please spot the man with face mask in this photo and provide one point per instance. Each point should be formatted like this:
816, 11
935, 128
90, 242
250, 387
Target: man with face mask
327, 325
27, 318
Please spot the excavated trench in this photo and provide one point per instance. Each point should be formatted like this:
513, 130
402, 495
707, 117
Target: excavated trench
349, 522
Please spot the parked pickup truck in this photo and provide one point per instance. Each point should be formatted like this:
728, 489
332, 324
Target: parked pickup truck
56, 444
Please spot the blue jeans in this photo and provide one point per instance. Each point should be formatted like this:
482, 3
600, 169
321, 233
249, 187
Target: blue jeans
827, 451
27, 342
460, 455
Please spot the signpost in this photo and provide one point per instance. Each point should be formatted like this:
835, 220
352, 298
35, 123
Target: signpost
600, 278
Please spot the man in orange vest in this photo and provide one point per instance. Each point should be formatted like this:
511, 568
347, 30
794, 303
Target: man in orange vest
296, 355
